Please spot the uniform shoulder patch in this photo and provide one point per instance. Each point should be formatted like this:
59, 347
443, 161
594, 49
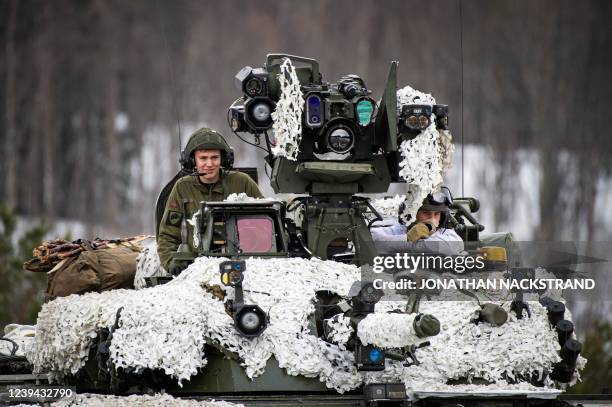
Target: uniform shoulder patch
174, 218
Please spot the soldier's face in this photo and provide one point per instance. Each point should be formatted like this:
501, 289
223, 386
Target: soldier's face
208, 163
422, 216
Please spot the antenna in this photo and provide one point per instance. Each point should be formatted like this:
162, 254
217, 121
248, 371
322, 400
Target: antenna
173, 86
461, 59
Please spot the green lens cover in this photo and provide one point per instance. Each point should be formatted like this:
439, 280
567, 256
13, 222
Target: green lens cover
364, 108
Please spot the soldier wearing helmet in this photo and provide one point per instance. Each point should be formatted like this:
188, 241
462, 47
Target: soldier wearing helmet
429, 230
208, 156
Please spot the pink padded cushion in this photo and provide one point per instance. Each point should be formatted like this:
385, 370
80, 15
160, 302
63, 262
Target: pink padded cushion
255, 235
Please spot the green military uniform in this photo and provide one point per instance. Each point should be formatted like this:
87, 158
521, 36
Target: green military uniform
185, 198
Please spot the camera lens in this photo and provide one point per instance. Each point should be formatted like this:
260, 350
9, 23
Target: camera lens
261, 112
350, 90
411, 122
254, 87
340, 140
370, 294
423, 121
250, 321
235, 277
258, 113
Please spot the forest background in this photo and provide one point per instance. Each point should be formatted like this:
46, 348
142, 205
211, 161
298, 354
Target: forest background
91, 93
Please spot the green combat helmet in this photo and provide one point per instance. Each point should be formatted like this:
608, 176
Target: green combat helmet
206, 139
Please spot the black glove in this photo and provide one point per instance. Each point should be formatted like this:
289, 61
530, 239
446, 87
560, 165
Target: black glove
178, 267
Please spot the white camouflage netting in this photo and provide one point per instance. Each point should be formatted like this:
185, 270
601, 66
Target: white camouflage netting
340, 329
388, 330
388, 207
427, 157
148, 264
66, 325
287, 117
158, 400
468, 351
66, 328
22, 335
242, 197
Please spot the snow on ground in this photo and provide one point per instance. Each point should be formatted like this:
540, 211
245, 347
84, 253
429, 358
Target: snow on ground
157, 400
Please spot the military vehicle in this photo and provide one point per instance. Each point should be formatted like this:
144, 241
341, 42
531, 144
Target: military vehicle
362, 136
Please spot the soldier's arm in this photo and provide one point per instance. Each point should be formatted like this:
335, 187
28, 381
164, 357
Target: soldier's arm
392, 232
252, 189
420, 246
169, 237
445, 241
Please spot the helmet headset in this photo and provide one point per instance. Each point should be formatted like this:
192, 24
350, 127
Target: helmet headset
439, 201
206, 139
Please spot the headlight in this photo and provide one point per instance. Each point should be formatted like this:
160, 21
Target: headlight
412, 121
258, 113
261, 112
416, 117
250, 320
423, 122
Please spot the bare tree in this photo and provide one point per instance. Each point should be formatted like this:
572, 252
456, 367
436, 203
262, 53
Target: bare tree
10, 141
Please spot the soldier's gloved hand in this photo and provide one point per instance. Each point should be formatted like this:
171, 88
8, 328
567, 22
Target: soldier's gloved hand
418, 231
431, 225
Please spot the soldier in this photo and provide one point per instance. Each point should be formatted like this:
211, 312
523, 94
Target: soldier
428, 232
209, 155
